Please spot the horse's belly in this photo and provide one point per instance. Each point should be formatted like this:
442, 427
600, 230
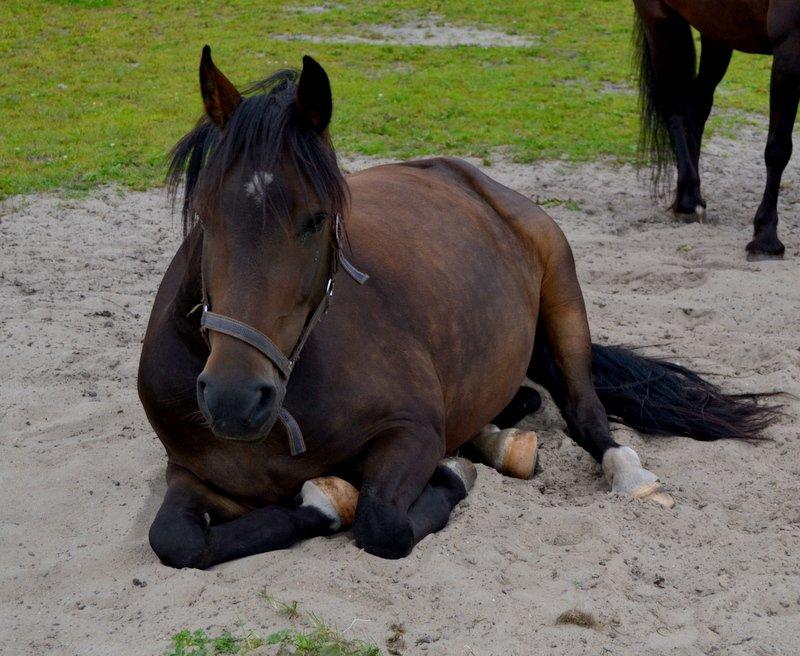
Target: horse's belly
491, 371
739, 24
451, 271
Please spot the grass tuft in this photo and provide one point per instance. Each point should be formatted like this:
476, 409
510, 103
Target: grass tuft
313, 638
287, 609
198, 643
569, 203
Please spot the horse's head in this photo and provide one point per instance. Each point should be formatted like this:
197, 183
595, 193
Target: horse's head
262, 179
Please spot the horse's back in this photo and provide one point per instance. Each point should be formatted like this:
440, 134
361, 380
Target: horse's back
494, 207
446, 215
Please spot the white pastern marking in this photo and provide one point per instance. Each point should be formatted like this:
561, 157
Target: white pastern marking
313, 496
257, 185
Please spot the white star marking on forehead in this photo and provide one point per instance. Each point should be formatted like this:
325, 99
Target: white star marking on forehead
257, 185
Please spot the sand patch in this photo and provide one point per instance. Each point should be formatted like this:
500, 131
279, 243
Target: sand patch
431, 31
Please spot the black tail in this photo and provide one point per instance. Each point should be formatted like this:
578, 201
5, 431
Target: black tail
654, 144
662, 398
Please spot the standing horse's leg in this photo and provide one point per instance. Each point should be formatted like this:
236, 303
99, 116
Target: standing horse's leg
186, 532
714, 60
672, 56
784, 95
407, 492
562, 363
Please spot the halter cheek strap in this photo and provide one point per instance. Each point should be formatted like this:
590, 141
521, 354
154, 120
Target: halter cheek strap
232, 327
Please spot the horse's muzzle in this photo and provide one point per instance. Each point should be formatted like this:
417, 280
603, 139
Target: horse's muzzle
243, 410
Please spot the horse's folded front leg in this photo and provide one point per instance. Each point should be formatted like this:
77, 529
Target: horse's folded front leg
182, 534
408, 492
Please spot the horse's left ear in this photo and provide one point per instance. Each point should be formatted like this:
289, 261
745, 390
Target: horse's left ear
313, 96
220, 97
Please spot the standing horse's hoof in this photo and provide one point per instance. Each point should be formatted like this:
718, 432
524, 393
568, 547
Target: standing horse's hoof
624, 472
512, 452
759, 250
696, 215
333, 497
700, 213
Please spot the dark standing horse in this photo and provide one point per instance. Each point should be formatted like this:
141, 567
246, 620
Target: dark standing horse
676, 100
402, 371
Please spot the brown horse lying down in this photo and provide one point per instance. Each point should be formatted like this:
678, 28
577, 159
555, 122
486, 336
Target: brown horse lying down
472, 287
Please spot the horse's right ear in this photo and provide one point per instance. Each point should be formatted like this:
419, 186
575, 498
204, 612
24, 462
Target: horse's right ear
220, 97
313, 95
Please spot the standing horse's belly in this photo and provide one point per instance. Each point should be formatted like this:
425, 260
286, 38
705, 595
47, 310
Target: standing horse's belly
739, 24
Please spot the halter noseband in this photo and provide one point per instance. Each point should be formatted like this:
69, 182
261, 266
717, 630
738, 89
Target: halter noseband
228, 326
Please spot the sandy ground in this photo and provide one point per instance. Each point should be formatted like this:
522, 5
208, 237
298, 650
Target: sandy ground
82, 473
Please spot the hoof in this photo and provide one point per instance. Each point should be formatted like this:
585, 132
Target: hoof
760, 256
760, 251
624, 472
333, 497
700, 213
653, 492
464, 469
697, 215
690, 208
512, 451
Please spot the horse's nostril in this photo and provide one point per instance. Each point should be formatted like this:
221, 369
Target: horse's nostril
265, 405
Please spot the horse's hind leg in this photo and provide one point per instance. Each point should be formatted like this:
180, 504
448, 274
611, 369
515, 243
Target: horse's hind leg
197, 528
565, 372
525, 402
672, 56
562, 363
714, 62
784, 96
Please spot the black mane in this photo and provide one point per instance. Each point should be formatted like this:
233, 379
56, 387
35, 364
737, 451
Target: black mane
264, 128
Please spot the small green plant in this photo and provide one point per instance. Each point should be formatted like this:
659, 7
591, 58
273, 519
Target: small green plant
198, 643
569, 203
319, 640
314, 638
288, 609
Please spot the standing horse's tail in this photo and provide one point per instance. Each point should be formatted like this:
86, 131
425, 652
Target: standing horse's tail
654, 143
662, 398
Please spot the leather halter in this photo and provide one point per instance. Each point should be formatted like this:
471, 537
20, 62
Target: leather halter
228, 326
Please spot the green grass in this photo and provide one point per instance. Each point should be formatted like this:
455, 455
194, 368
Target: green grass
313, 637
95, 91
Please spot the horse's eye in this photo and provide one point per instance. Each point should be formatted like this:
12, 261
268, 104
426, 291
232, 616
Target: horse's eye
314, 223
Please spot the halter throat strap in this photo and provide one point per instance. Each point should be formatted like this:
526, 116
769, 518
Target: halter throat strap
252, 336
